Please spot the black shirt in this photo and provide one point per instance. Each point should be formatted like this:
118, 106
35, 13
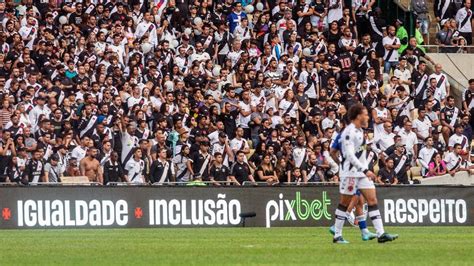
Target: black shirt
240, 171
34, 171
198, 160
219, 173
402, 173
156, 171
387, 176
113, 172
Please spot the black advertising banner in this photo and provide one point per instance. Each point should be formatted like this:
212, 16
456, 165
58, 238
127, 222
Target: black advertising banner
115, 207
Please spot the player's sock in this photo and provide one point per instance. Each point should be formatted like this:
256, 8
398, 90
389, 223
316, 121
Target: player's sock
340, 219
374, 215
362, 224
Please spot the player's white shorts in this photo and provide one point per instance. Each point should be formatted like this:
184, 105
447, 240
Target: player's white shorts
349, 185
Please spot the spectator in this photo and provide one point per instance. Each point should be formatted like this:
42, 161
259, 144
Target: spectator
266, 172
240, 170
443, 9
391, 43
163, 90
218, 172
402, 35
401, 163
181, 166
449, 118
426, 156
437, 166
387, 174
464, 20
135, 168
52, 170
422, 126
409, 139
445, 36
454, 161
420, 10
113, 171
459, 138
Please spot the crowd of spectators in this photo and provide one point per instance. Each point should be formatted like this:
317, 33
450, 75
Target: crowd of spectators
221, 91
455, 24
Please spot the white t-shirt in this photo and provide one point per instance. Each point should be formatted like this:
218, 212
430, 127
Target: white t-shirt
459, 139
287, 107
441, 90
135, 170
79, 153
423, 128
390, 56
244, 120
409, 139
453, 161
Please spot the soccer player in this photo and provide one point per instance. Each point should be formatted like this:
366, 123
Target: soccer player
355, 175
357, 202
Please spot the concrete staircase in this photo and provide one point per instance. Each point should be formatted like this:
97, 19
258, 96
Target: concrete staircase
433, 23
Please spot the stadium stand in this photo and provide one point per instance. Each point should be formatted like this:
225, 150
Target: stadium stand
225, 92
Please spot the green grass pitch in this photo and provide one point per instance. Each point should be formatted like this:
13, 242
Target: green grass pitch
235, 246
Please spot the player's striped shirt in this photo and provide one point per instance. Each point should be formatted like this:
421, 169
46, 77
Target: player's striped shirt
353, 151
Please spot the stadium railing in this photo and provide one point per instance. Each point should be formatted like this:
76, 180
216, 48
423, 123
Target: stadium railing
431, 48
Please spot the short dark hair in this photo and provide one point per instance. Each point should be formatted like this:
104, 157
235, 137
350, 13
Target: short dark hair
355, 111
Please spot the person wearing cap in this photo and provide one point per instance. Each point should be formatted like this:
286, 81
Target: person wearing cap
37, 111
444, 37
402, 34
52, 170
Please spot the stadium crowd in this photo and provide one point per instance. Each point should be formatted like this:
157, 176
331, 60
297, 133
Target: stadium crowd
218, 91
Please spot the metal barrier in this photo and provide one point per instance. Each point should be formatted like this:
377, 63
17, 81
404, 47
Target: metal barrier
67, 184
49, 184
206, 183
248, 183
447, 48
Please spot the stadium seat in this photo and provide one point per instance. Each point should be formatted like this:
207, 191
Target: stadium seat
416, 172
